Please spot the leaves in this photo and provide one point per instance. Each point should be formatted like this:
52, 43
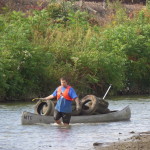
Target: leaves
36, 50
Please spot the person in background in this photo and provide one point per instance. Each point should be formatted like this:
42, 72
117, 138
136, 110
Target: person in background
65, 95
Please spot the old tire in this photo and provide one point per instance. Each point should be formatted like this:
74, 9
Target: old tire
89, 105
102, 107
43, 107
102, 110
52, 108
102, 102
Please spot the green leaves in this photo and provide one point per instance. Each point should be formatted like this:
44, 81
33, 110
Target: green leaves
36, 50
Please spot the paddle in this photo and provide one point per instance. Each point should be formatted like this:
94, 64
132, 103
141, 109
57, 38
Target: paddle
107, 91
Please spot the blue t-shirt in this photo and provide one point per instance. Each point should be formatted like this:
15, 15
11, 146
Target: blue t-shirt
64, 105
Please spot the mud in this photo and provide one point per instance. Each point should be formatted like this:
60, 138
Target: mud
141, 141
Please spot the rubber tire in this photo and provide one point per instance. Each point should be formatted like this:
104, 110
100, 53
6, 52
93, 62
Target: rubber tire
102, 110
92, 107
38, 108
52, 108
102, 102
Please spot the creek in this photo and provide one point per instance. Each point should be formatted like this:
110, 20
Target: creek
15, 136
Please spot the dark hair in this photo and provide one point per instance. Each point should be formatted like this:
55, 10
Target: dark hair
64, 78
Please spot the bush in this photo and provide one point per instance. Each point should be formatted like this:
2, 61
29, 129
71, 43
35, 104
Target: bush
37, 49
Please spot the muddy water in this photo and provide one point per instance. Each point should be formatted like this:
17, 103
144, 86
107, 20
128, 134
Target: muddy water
14, 136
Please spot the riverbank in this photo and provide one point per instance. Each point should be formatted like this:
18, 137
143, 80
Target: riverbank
141, 141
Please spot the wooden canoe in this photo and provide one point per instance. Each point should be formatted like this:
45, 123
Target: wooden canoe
28, 118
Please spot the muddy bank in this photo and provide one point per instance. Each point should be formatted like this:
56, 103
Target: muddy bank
140, 141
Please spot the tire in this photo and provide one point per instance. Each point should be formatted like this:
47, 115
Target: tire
52, 108
102, 102
102, 106
43, 107
89, 105
102, 110
54, 102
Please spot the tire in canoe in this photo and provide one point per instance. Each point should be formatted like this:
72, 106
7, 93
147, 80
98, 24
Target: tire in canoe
44, 107
89, 105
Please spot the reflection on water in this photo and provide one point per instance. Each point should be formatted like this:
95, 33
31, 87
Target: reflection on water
14, 136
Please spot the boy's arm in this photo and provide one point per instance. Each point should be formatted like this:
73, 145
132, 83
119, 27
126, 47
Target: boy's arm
49, 97
78, 107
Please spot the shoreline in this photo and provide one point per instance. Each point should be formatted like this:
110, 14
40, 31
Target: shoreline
113, 97
140, 141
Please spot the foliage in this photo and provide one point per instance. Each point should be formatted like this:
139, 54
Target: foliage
38, 48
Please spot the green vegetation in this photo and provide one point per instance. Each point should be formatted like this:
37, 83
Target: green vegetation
40, 46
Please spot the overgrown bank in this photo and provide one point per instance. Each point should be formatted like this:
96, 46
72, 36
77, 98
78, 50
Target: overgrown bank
40, 46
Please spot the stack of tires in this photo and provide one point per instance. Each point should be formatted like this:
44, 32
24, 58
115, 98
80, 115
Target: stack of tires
90, 105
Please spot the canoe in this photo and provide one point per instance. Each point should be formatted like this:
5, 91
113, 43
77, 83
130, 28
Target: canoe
28, 118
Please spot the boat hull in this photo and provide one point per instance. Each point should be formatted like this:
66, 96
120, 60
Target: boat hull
28, 118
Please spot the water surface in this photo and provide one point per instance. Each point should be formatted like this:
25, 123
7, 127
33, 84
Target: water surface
14, 136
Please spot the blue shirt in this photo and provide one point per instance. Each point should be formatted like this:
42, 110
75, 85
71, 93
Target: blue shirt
64, 105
